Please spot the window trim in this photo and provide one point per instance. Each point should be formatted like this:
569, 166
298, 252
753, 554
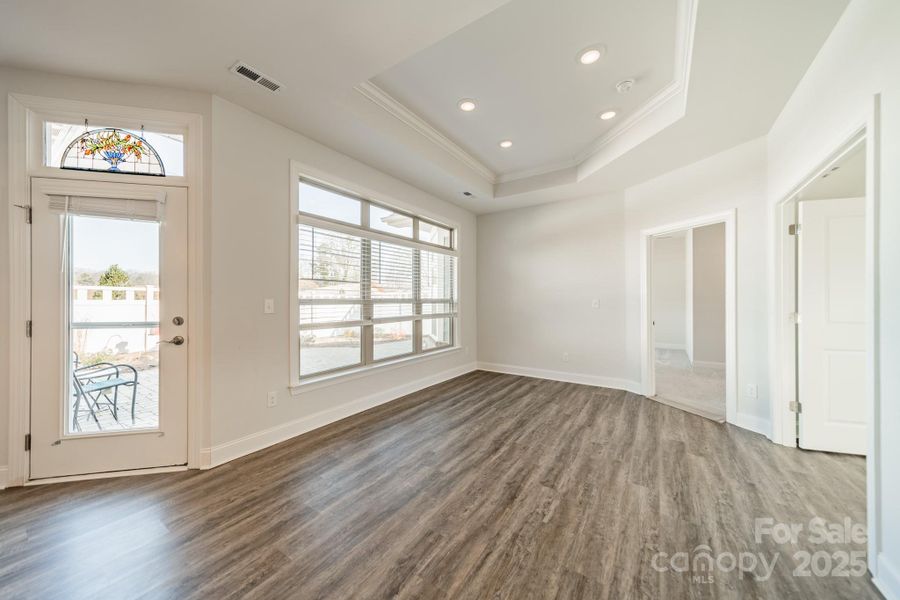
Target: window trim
301, 174
46, 110
364, 217
322, 380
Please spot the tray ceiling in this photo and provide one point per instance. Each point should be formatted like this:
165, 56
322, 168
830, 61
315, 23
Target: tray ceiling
520, 64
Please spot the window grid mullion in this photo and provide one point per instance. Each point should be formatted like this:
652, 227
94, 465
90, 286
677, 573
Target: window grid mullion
417, 298
367, 335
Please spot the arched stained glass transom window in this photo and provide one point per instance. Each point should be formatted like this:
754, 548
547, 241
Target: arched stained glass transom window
112, 150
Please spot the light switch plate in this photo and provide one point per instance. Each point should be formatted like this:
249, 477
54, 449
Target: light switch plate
269, 306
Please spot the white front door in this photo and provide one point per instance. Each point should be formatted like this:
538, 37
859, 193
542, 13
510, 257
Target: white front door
832, 341
109, 299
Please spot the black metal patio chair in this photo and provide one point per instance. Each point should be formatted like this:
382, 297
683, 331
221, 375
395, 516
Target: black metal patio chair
98, 386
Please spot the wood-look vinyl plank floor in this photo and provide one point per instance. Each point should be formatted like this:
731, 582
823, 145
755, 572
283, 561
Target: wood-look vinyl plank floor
486, 486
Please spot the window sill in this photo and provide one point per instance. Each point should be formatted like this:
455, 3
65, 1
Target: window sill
315, 383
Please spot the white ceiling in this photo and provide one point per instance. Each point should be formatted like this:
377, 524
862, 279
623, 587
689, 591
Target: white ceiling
845, 179
747, 59
520, 64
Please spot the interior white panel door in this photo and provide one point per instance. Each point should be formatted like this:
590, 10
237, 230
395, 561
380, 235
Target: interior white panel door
832, 343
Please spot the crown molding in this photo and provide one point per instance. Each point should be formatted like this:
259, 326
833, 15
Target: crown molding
536, 171
392, 106
665, 107
632, 121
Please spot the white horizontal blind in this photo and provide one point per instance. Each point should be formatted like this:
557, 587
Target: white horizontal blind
121, 208
391, 275
363, 299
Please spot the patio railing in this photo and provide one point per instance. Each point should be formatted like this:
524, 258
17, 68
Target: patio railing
115, 319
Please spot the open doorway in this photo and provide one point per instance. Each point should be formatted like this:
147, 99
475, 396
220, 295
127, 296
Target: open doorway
688, 307
688, 318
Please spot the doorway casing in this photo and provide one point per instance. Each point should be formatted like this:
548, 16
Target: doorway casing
783, 304
648, 378
784, 289
26, 115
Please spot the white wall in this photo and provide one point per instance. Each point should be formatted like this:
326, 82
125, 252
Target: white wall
833, 99
247, 254
734, 179
540, 270
251, 223
709, 293
547, 263
670, 292
17, 81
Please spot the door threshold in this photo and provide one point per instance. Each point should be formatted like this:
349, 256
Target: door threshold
107, 475
687, 407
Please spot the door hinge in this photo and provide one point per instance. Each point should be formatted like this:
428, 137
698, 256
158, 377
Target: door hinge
28, 328
27, 442
795, 317
795, 406
794, 229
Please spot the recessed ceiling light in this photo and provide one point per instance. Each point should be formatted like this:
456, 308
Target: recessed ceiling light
506, 144
592, 54
466, 105
606, 116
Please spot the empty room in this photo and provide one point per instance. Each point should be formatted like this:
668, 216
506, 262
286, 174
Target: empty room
421, 299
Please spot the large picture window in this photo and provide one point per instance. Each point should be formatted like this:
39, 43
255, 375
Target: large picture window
374, 284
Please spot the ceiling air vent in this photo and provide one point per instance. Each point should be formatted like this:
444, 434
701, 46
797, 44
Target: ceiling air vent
268, 84
254, 75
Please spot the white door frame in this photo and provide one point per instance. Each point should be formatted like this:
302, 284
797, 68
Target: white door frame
784, 289
648, 377
783, 366
26, 115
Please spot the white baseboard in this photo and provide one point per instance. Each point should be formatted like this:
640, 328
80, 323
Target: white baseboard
3, 472
222, 453
664, 346
745, 421
888, 579
753, 423
205, 458
567, 376
708, 364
